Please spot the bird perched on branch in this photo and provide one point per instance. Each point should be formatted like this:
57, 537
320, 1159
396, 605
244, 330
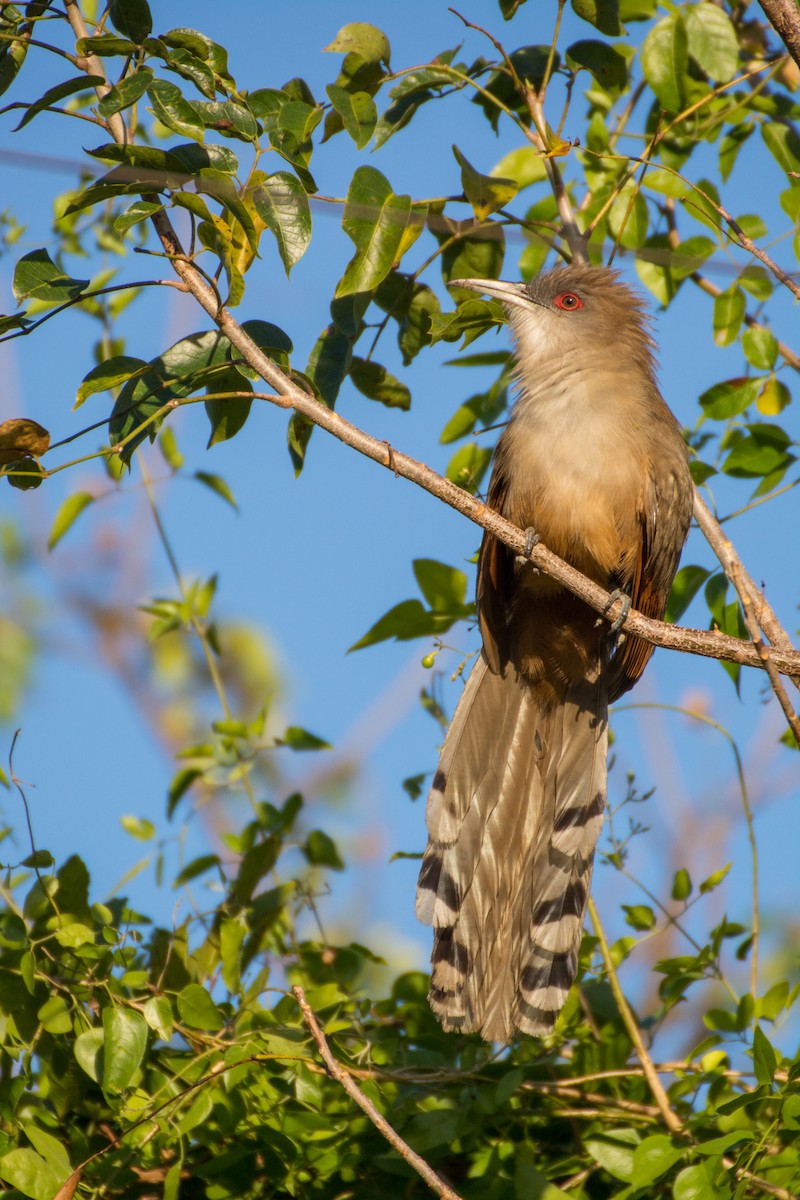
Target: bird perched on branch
593, 463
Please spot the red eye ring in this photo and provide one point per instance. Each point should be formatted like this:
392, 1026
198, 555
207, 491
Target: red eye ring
568, 301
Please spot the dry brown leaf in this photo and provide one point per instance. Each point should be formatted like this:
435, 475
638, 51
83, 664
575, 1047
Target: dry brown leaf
21, 438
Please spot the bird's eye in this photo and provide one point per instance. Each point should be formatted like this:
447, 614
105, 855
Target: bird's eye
568, 301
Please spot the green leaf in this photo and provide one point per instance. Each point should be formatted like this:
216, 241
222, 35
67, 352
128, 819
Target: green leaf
198, 1010
300, 739
762, 451
404, 622
525, 165
282, 204
132, 19
37, 277
321, 851
67, 515
681, 885
765, 1060
175, 112
125, 1041
603, 14
698, 1183
729, 310
51, 1150
486, 193
27, 1171
367, 41
55, 1016
53, 95
711, 40
715, 879
615, 1152
468, 466
760, 347
187, 65
357, 110
125, 93
375, 219
653, 1158
376, 383
227, 415
88, 1052
444, 588
639, 916
74, 934
157, 1012
687, 584
730, 398
783, 143
605, 63
665, 61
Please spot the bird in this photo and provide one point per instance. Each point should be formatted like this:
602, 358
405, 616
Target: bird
593, 463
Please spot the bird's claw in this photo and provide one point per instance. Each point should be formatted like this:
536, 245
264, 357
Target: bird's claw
619, 621
532, 540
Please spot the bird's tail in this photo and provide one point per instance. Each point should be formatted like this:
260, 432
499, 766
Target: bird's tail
513, 818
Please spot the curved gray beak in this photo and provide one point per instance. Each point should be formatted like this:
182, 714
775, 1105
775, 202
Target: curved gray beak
500, 289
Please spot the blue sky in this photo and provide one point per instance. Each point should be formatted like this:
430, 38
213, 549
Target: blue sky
314, 562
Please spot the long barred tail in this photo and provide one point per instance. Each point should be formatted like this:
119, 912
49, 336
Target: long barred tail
513, 818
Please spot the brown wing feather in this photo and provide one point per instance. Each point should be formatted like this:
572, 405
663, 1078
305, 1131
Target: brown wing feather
665, 518
495, 580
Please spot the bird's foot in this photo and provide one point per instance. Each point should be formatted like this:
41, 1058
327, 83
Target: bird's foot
619, 621
532, 540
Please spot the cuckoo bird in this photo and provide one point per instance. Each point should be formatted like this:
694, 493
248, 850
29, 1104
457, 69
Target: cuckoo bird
592, 462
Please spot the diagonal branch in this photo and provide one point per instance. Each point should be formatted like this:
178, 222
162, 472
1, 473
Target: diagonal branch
337, 1072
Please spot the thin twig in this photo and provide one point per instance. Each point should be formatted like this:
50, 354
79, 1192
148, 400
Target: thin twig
337, 1072
735, 570
764, 652
670, 1118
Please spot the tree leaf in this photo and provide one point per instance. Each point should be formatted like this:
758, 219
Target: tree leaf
107, 375
22, 438
123, 1049
486, 193
711, 40
321, 851
300, 739
765, 1060
730, 398
367, 41
375, 219
125, 93
357, 110
198, 1010
27, 1171
376, 383
175, 112
36, 276
131, 18
665, 61
282, 204
603, 14
67, 515
81, 83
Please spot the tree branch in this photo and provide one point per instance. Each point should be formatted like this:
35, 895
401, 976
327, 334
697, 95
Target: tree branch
670, 1118
337, 1072
784, 17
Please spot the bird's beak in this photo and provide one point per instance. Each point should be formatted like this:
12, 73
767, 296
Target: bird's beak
515, 294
